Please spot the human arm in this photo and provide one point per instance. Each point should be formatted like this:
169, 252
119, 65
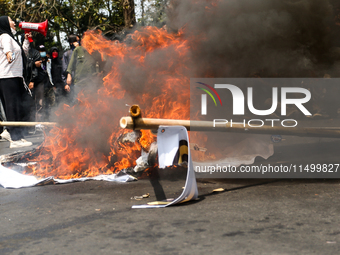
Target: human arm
26, 43
71, 67
9, 55
69, 79
38, 63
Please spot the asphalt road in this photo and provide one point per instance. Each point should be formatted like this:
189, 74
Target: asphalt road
255, 216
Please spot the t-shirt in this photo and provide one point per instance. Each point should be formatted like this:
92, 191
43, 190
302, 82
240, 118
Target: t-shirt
14, 69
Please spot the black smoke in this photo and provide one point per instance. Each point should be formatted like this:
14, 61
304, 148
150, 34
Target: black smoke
250, 38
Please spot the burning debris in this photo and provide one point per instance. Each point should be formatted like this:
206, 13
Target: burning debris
170, 139
24, 160
202, 39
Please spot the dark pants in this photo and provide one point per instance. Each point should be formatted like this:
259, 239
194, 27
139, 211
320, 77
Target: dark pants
49, 103
38, 94
11, 95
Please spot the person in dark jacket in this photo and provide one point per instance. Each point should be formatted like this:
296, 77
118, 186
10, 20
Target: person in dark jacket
57, 74
31, 78
41, 81
43, 91
32, 71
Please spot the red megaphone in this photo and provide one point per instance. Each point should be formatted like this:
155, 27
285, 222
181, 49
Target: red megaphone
40, 27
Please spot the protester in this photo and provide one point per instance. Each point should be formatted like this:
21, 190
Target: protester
69, 88
57, 74
31, 77
32, 71
83, 67
43, 88
12, 71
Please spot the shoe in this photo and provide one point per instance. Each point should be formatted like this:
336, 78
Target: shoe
39, 128
20, 143
27, 142
6, 135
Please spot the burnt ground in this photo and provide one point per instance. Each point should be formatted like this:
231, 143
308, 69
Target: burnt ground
252, 216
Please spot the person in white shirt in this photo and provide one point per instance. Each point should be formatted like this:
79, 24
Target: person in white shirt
12, 85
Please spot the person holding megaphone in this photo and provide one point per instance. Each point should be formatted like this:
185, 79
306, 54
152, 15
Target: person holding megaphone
12, 85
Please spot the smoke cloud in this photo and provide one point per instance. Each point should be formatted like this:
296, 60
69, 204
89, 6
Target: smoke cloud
248, 38
152, 68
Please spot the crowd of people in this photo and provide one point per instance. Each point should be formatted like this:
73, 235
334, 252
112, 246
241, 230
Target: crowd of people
33, 81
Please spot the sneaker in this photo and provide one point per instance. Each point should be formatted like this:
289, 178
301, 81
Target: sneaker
39, 128
20, 143
6, 135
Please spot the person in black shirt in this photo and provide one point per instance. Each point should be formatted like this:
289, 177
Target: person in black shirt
57, 75
31, 78
43, 91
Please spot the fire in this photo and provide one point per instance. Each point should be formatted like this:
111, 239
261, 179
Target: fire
88, 145
151, 68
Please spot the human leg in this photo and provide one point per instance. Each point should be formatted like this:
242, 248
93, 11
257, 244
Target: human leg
11, 96
39, 100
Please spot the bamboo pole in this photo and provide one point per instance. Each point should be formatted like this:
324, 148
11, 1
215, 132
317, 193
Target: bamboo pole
26, 124
153, 124
135, 111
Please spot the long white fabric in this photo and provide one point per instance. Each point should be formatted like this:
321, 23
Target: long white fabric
11, 179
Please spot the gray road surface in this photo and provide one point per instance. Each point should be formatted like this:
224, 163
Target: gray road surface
249, 217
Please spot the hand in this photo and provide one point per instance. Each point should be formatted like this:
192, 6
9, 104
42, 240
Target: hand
38, 63
31, 85
9, 57
67, 88
28, 35
69, 79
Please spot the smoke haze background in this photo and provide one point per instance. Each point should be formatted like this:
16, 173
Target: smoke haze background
243, 38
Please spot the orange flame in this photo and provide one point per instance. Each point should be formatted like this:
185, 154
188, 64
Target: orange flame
71, 150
